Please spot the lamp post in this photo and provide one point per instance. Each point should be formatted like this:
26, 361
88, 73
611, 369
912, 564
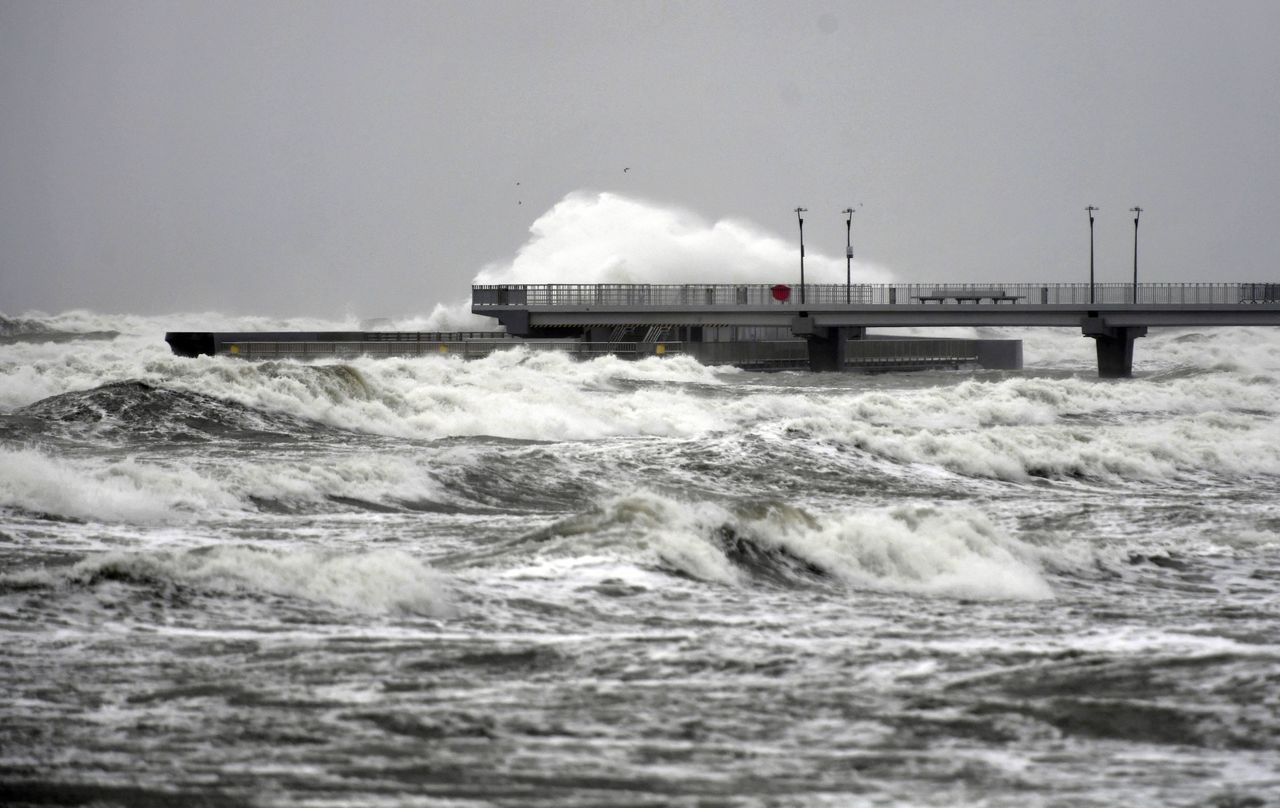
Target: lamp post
800, 219
1137, 213
848, 253
1091, 209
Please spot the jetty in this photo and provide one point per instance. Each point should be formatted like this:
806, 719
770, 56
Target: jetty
833, 319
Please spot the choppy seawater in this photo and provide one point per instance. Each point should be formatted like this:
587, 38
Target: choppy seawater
528, 581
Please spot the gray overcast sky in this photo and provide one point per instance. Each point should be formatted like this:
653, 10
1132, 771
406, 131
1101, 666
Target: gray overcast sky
322, 158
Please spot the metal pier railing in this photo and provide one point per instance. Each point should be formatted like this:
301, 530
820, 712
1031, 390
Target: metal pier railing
470, 349
640, 296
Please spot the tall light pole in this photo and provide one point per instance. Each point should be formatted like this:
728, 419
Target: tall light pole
801, 220
848, 253
1091, 209
1137, 213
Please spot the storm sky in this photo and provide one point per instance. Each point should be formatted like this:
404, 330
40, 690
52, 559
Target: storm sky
371, 158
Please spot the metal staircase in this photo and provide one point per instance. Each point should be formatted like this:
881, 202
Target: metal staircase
615, 336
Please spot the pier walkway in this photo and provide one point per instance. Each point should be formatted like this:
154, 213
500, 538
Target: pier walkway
829, 315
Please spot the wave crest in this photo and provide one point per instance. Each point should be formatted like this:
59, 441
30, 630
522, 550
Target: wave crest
955, 552
383, 581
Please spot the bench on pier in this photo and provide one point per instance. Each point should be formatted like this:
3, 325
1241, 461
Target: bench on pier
967, 295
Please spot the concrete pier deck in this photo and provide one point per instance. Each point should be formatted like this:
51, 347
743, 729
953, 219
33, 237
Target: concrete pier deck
829, 315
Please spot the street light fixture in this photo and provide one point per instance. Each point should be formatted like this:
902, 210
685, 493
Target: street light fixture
1137, 213
848, 253
801, 220
1091, 209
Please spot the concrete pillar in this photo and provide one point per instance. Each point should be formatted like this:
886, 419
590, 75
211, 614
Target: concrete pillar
1114, 345
827, 353
827, 345
515, 321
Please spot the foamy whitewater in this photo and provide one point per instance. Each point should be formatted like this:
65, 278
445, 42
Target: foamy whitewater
529, 581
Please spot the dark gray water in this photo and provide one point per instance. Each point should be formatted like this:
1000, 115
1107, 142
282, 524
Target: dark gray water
525, 581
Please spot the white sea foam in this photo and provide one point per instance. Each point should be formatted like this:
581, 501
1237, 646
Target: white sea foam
381, 581
1217, 416
515, 394
1007, 429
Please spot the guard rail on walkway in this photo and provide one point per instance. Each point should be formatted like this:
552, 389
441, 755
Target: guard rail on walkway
534, 296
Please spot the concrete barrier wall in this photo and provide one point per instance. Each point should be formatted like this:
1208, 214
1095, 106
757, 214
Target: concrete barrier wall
1000, 354
863, 354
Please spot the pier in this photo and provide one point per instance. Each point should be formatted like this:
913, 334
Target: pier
834, 316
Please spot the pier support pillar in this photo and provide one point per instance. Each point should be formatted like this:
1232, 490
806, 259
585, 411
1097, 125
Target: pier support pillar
828, 345
1115, 346
827, 354
516, 322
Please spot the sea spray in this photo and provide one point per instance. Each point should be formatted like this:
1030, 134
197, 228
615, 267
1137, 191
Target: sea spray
607, 238
611, 238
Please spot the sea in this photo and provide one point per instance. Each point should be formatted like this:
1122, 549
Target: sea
525, 580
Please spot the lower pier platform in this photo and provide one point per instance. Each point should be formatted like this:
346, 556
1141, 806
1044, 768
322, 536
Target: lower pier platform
750, 349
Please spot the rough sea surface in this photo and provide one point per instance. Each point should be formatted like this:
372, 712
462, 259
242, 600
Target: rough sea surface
526, 581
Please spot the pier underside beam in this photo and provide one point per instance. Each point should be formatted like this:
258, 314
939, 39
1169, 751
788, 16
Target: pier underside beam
1114, 345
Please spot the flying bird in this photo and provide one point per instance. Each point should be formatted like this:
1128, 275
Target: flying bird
625, 170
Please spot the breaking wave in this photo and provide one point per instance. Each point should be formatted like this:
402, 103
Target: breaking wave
160, 491
1017, 429
133, 409
610, 238
29, 329
955, 552
1177, 425
126, 490
511, 394
378, 582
